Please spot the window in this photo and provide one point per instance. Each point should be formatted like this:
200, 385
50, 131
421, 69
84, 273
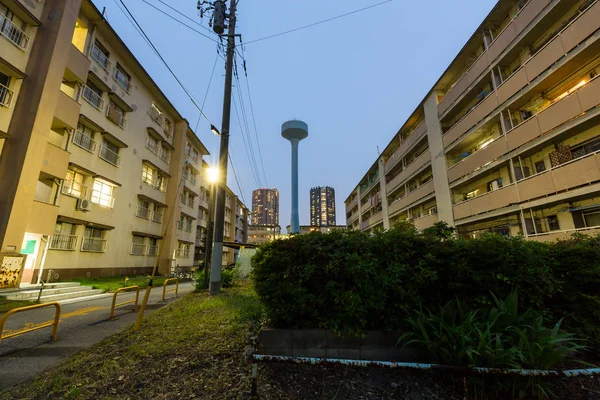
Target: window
152, 247
157, 214
592, 218
123, 78
103, 193
101, 55
188, 224
148, 174
5, 92
93, 240
73, 184
64, 237
168, 127
161, 183
551, 222
165, 154
138, 248
156, 113
83, 137
152, 144
143, 209
12, 28
93, 95
109, 152
540, 166
184, 250
116, 115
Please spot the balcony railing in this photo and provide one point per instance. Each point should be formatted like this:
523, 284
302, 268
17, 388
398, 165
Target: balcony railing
152, 145
100, 58
142, 212
152, 251
109, 156
84, 141
138, 249
191, 179
12, 33
93, 98
74, 188
181, 253
165, 155
180, 225
93, 245
156, 116
157, 217
63, 242
6, 96
116, 117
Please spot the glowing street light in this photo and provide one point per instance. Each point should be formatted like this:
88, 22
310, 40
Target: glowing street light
212, 174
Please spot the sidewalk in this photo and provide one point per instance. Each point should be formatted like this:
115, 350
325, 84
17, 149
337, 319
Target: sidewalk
82, 325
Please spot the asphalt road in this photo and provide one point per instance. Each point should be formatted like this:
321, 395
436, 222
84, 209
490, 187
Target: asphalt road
82, 324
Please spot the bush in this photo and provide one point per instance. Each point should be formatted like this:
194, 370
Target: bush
227, 278
351, 281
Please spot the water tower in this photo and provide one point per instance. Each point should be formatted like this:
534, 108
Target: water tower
294, 131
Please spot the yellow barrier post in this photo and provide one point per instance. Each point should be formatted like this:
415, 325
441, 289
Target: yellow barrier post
27, 308
176, 280
114, 305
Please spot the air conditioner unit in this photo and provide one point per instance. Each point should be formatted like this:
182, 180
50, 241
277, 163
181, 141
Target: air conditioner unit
83, 205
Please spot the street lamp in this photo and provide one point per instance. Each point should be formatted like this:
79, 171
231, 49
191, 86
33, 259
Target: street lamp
211, 174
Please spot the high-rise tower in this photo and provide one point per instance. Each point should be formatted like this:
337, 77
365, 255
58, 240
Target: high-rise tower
265, 207
322, 206
294, 131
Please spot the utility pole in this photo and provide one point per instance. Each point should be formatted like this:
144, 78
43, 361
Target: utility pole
209, 233
219, 222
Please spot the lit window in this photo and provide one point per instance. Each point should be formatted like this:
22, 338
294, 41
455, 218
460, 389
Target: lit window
161, 183
156, 113
148, 175
73, 184
122, 78
103, 193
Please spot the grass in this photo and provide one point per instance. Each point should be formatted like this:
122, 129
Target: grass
6, 305
192, 348
112, 284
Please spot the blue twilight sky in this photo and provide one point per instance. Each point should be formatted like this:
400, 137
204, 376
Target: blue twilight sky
354, 80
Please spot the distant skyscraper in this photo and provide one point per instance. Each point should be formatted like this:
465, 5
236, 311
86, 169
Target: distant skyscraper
265, 207
322, 206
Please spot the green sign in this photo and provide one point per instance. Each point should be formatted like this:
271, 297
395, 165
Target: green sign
29, 247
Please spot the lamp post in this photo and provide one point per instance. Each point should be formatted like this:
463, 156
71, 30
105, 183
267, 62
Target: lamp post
212, 176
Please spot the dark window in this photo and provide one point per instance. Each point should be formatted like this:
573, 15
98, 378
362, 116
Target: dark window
540, 166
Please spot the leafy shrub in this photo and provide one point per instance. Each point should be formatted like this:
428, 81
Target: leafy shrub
227, 278
352, 281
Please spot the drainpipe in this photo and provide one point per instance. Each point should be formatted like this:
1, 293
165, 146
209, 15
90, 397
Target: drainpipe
533, 221
47, 239
524, 225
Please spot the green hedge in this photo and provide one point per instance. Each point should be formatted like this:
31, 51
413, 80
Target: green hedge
352, 281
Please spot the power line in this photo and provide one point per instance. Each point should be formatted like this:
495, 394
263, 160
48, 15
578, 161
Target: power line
237, 180
166, 64
207, 89
318, 23
185, 16
250, 158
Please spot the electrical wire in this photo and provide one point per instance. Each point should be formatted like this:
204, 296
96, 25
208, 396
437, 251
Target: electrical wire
166, 64
185, 16
318, 23
250, 158
207, 89
236, 179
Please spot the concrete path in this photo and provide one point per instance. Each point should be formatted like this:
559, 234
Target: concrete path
82, 325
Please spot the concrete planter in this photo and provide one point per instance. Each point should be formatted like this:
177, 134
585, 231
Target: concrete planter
320, 343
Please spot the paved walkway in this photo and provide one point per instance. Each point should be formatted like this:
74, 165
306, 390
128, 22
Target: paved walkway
82, 325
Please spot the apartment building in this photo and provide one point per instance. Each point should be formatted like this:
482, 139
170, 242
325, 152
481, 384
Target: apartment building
98, 169
305, 229
260, 234
265, 207
507, 140
235, 229
322, 206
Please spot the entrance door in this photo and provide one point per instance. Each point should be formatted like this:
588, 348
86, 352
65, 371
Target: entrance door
30, 246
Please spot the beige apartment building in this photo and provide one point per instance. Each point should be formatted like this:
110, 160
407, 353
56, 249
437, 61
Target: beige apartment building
508, 139
235, 229
97, 167
260, 234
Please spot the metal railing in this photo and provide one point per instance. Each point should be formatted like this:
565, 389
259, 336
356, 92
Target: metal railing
35, 328
157, 217
155, 115
92, 97
165, 155
85, 142
63, 242
152, 251
12, 33
114, 302
152, 145
6, 96
100, 58
179, 253
142, 212
93, 245
109, 156
165, 291
74, 188
137, 249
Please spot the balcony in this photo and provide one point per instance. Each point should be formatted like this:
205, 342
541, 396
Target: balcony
6, 96
409, 171
479, 158
93, 245
471, 118
101, 59
578, 172
143, 212
376, 218
426, 221
66, 113
182, 253
93, 98
419, 193
165, 155
109, 156
56, 161
13, 33
137, 249
152, 145
84, 141
78, 65
489, 201
63, 242
500, 43
397, 205
352, 204
405, 146
42, 218
563, 235
116, 117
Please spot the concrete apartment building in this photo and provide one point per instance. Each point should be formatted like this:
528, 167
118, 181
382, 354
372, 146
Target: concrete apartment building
322, 206
97, 167
305, 229
259, 234
508, 138
265, 207
235, 228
